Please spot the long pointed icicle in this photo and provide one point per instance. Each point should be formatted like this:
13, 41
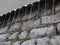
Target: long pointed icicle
31, 11
45, 7
53, 9
13, 19
8, 18
3, 22
17, 16
38, 10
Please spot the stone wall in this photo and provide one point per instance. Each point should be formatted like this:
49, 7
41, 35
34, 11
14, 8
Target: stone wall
33, 29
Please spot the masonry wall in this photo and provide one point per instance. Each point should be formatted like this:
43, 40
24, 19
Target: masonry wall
33, 29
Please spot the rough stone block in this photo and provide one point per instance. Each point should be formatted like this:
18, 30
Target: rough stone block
5, 43
31, 24
29, 42
51, 19
15, 27
36, 23
40, 32
23, 35
16, 43
13, 36
43, 41
4, 30
27, 25
55, 40
3, 37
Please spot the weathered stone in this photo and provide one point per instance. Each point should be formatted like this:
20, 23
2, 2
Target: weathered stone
36, 23
3, 30
46, 31
23, 35
3, 37
13, 36
15, 27
27, 25
43, 41
51, 19
29, 42
55, 40
58, 28
5, 43
16, 43
47, 19
31, 24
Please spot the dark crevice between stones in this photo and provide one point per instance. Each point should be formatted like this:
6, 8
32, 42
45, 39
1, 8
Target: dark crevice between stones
57, 31
56, 28
35, 42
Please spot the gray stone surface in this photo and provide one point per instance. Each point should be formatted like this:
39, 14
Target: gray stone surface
36, 23
23, 35
16, 43
5, 43
29, 42
43, 41
55, 40
47, 19
13, 36
31, 24
4, 30
46, 31
3, 37
27, 25
51, 19
15, 27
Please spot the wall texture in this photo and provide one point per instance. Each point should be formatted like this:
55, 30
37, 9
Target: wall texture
37, 28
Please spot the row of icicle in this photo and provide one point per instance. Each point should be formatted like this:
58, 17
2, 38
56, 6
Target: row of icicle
53, 11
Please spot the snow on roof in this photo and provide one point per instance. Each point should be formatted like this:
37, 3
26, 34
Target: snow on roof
14, 9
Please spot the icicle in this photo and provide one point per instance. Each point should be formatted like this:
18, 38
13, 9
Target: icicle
3, 22
38, 10
13, 18
9, 19
45, 8
17, 18
25, 11
53, 9
14, 15
31, 11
